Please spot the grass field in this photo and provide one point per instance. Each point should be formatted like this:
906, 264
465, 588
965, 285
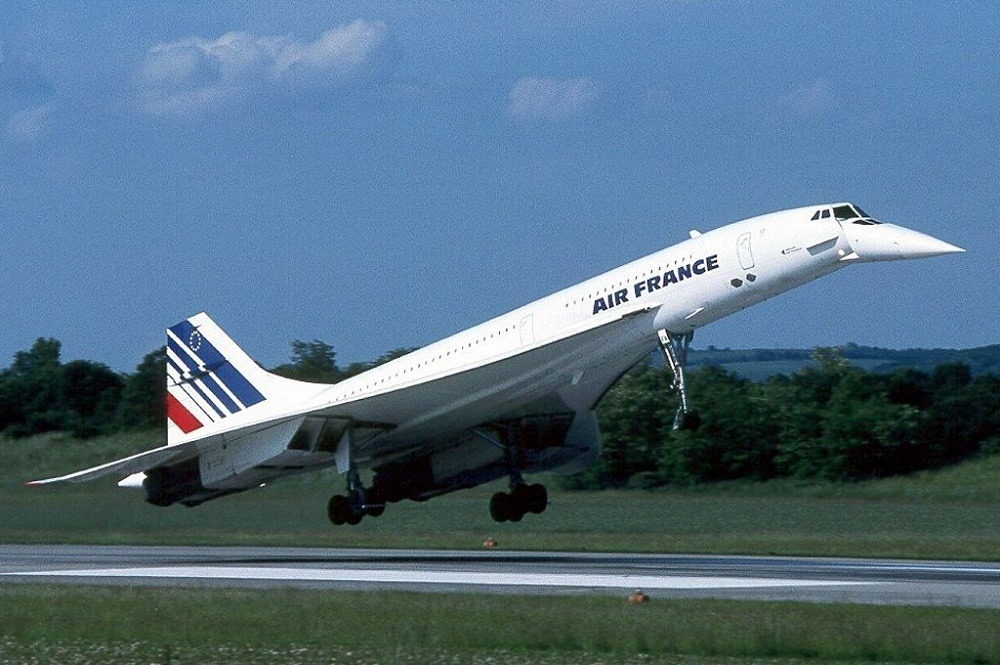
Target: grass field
49, 624
949, 514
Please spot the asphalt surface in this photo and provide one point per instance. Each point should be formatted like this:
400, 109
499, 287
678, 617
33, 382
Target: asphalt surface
867, 581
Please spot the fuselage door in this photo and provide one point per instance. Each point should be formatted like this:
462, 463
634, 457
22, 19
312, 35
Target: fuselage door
528, 330
744, 251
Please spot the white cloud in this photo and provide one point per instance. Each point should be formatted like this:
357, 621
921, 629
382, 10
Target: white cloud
336, 51
807, 99
550, 99
192, 74
28, 124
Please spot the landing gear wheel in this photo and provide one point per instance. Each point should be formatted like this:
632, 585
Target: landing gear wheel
375, 510
690, 420
516, 507
511, 507
500, 506
338, 509
536, 498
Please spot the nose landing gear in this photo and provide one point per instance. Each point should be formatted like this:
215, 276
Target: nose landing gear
675, 347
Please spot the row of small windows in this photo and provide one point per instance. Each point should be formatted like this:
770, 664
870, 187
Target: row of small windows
609, 289
440, 356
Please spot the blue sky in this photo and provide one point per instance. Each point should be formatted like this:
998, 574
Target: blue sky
381, 175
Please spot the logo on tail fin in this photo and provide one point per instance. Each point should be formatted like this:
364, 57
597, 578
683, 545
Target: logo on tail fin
202, 385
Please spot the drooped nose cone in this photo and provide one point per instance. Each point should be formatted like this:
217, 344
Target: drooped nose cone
888, 242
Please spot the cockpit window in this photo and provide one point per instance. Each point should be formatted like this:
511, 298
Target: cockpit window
843, 213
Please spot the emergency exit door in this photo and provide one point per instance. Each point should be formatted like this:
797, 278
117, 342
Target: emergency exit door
744, 251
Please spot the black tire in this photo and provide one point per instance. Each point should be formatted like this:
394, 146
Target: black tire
518, 503
375, 510
536, 498
691, 421
338, 509
500, 506
354, 516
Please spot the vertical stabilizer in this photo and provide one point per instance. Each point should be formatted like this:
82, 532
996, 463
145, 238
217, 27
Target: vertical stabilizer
211, 379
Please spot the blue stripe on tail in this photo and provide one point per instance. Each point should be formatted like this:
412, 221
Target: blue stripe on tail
206, 358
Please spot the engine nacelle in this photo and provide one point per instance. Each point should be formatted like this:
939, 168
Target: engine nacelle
547, 443
167, 485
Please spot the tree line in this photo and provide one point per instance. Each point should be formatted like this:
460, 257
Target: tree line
829, 420
39, 393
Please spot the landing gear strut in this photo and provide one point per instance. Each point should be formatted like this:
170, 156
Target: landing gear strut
675, 347
351, 509
522, 498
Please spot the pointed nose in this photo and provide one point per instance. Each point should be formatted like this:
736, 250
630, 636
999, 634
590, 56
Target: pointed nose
888, 242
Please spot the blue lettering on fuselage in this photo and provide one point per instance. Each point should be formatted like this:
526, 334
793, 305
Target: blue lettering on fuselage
657, 282
613, 300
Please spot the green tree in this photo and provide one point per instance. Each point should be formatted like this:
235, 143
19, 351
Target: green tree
737, 437
964, 412
359, 367
92, 392
39, 394
34, 390
866, 435
636, 417
143, 398
799, 404
311, 361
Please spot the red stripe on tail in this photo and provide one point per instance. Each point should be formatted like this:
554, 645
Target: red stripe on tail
181, 416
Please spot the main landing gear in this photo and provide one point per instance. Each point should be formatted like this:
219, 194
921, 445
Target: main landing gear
351, 509
675, 347
512, 506
522, 498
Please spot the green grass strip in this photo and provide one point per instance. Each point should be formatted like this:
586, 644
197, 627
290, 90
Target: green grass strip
561, 628
723, 522
947, 514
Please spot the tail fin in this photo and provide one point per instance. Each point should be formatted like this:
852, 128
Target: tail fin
214, 390
210, 378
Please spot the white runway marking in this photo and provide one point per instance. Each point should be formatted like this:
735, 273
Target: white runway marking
438, 577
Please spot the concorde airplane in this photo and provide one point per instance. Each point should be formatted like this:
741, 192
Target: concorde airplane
511, 396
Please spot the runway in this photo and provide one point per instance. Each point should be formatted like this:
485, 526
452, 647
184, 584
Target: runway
868, 581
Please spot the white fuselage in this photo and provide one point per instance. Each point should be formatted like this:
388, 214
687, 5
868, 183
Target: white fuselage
560, 354
679, 288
